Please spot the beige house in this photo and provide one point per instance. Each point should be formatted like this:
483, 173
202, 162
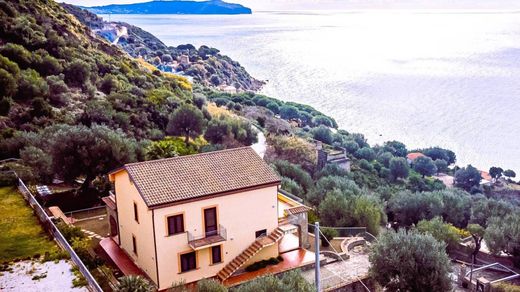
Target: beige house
201, 216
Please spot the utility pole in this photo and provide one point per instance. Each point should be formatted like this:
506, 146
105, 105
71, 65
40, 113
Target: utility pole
317, 255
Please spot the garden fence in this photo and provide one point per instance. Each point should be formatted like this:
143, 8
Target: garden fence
49, 225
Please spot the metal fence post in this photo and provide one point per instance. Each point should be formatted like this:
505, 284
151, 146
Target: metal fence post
317, 275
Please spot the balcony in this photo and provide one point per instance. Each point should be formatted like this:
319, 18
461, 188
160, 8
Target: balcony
208, 239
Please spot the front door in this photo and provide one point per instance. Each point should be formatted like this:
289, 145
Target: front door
210, 221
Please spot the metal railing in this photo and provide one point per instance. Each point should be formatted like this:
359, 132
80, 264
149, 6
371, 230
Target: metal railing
221, 231
51, 227
344, 231
87, 214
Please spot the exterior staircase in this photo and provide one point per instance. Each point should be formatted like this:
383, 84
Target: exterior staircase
247, 254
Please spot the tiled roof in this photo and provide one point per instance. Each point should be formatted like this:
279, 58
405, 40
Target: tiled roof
414, 155
485, 175
298, 210
193, 176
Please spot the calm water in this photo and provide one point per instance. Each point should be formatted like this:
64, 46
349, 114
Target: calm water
448, 78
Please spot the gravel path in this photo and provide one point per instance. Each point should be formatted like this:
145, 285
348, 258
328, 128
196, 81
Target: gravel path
39, 277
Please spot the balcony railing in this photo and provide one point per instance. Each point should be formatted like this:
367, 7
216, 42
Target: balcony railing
207, 239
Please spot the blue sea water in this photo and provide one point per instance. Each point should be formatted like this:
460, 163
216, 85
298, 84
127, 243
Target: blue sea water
446, 78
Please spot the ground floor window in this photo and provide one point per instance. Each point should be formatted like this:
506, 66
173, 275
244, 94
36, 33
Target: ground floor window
216, 254
188, 261
134, 245
261, 233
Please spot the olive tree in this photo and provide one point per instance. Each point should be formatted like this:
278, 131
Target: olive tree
467, 178
503, 235
425, 166
187, 121
81, 151
399, 167
412, 261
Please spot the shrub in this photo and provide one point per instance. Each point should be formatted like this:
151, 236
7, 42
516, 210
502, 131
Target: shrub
109, 84
7, 179
365, 153
295, 172
5, 106
31, 85
70, 231
322, 134
7, 84
199, 100
17, 54
217, 130
77, 73
322, 120
40, 108
210, 285
440, 230
289, 112
274, 107
505, 287
384, 158
262, 264
134, 284
327, 234
292, 187
365, 165
289, 281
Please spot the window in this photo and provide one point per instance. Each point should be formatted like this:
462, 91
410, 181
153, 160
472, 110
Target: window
261, 233
188, 262
136, 215
175, 224
216, 254
134, 244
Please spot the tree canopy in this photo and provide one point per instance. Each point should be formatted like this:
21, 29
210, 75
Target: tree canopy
187, 121
467, 178
412, 261
425, 166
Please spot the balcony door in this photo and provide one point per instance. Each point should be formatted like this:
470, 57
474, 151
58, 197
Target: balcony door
210, 221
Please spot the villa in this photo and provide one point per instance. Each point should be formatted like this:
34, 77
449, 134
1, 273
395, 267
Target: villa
201, 216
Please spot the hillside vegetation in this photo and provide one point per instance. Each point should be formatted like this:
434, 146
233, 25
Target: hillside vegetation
206, 65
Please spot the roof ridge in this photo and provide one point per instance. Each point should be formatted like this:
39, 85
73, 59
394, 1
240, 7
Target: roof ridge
186, 156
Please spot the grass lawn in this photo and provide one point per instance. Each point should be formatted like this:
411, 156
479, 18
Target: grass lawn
21, 235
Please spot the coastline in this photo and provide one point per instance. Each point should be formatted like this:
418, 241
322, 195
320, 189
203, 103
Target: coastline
470, 150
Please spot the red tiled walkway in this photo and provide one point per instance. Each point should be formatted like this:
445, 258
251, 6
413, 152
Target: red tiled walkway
120, 258
291, 260
288, 243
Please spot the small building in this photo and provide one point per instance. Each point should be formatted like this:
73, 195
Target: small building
486, 178
331, 154
201, 216
410, 157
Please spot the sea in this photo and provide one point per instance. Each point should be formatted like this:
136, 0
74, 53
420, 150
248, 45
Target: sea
426, 78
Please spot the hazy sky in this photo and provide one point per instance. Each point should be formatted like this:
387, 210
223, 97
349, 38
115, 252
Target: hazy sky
345, 4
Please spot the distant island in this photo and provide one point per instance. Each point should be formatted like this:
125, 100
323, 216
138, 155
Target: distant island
172, 7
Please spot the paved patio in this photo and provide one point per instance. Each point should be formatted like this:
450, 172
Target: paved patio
341, 273
288, 243
291, 260
120, 258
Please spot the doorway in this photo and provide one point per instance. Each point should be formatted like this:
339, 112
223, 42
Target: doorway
210, 221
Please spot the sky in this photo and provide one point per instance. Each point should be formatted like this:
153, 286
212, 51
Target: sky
262, 5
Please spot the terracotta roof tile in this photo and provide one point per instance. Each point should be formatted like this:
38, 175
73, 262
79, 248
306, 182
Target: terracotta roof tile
298, 210
175, 179
414, 155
